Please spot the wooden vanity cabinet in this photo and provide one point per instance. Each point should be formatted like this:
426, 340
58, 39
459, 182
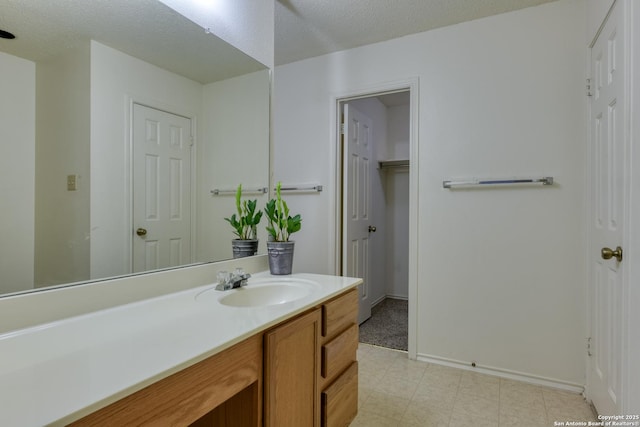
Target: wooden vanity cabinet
302, 372
203, 394
339, 368
310, 370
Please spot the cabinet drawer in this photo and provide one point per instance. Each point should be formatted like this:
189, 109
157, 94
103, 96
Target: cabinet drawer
338, 353
340, 399
338, 314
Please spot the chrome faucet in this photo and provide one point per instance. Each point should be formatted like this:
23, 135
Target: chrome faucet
233, 280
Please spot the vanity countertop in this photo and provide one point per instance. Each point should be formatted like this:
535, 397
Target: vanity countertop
54, 373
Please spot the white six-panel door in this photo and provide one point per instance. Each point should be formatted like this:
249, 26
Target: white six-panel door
357, 202
161, 189
607, 152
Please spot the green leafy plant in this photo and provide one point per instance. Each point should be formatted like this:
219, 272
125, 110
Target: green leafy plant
281, 224
246, 222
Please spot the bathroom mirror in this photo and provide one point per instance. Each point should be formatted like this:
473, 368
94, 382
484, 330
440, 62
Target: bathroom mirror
89, 91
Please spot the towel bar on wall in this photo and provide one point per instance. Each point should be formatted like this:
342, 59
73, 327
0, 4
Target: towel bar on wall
217, 192
545, 180
301, 188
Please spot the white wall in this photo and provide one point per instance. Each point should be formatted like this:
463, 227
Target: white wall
62, 148
500, 272
116, 77
17, 163
234, 150
397, 203
397, 251
399, 133
245, 24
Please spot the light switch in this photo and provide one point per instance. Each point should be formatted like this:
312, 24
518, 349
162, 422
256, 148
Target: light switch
72, 182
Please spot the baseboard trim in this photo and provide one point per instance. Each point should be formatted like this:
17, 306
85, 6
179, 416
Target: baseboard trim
504, 373
378, 301
400, 297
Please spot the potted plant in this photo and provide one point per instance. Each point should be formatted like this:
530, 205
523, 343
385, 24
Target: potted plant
280, 228
245, 226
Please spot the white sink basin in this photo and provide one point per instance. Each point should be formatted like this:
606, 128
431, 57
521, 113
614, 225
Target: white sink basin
264, 295
266, 292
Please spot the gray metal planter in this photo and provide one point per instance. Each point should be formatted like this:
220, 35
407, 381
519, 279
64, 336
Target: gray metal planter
244, 248
280, 257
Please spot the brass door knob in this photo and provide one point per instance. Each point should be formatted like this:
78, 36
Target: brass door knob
607, 253
141, 232
372, 229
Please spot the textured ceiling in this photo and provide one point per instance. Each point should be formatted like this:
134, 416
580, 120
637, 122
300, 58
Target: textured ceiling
308, 28
154, 33
146, 29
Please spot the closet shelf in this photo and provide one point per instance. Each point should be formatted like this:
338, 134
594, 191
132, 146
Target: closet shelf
391, 164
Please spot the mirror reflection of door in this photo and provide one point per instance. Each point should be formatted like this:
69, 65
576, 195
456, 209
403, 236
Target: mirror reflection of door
162, 146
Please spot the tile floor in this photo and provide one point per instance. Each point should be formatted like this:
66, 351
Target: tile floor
395, 391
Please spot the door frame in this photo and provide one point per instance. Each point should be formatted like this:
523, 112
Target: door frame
629, 349
130, 100
411, 85
632, 386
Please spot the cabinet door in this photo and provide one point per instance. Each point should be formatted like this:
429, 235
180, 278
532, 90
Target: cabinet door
292, 361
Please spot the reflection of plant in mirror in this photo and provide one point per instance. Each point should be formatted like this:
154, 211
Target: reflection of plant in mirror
281, 224
246, 223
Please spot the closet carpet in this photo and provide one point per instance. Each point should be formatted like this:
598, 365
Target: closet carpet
388, 325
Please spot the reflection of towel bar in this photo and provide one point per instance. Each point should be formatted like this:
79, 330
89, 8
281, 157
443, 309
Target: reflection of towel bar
316, 188
262, 190
545, 180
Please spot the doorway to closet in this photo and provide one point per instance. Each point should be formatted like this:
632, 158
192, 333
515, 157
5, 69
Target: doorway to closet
375, 145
